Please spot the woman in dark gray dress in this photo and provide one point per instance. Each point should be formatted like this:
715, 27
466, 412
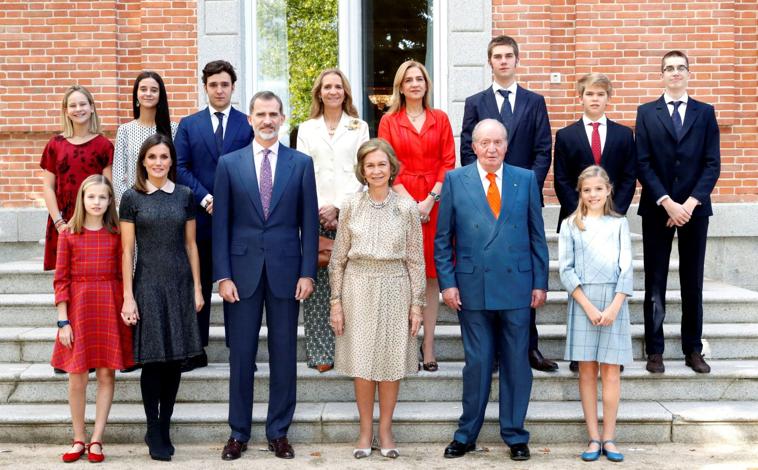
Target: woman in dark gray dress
163, 296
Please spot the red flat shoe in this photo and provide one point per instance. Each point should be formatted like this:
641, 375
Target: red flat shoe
92, 457
69, 457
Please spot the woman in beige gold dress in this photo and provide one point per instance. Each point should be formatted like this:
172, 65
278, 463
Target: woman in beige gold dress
377, 280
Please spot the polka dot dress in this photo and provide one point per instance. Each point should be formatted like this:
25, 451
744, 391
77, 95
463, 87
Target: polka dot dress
377, 271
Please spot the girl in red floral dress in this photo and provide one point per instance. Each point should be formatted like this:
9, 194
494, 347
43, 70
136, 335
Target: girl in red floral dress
69, 157
89, 296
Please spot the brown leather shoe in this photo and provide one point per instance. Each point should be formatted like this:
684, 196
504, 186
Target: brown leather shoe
655, 364
695, 361
233, 449
324, 367
281, 448
538, 362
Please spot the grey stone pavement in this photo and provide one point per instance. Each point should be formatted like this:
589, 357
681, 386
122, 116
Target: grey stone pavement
413, 456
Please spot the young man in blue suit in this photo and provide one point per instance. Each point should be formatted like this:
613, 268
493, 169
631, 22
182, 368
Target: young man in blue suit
490, 234
524, 114
200, 140
265, 251
678, 163
594, 140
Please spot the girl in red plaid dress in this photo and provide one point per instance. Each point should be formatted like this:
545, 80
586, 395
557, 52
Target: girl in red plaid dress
88, 296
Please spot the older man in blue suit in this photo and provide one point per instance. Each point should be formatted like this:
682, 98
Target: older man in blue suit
265, 250
200, 140
524, 115
492, 264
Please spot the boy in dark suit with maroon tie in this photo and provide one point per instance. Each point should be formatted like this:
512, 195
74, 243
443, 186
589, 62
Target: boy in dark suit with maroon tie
594, 140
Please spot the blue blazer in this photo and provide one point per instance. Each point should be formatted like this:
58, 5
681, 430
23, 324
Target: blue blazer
243, 242
197, 155
689, 166
529, 142
495, 263
573, 154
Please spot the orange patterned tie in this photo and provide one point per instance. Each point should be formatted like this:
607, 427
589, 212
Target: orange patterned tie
493, 195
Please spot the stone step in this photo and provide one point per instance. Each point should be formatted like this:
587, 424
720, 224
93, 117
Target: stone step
722, 303
330, 422
721, 341
27, 277
728, 380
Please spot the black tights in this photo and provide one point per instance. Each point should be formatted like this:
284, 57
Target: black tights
160, 383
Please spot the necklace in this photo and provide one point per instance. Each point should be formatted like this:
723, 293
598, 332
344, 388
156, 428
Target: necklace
379, 205
413, 117
331, 128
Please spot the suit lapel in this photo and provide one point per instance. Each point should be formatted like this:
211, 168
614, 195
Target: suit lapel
282, 175
475, 191
232, 127
611, 139
246, 167
662, 111
491, 104
522, 104
690, 116
206, 131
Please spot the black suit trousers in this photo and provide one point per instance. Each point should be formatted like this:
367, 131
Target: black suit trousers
656, 242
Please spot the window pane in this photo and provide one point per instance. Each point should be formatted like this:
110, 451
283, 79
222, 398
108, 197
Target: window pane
393, 32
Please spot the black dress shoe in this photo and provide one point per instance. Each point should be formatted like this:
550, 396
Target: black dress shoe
538, 362
195, 362
233, 449
695, 361
574, 366
655, 364
520, 452
281, 448
458, 449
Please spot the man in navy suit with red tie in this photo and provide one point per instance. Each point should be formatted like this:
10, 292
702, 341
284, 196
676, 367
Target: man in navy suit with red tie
678, 163
200, 140
524, 115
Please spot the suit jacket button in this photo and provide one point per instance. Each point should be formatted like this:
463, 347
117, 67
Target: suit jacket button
509, 269
677, 163
486, 270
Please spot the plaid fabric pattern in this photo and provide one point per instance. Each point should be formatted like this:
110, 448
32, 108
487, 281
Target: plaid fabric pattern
599, 260
88, 278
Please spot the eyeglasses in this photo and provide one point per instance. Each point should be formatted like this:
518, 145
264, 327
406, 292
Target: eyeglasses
678, 68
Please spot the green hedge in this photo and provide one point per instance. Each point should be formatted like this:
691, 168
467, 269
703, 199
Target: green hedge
312, 43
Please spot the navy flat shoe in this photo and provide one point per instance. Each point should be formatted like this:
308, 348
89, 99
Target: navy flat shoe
610, 455
591, 456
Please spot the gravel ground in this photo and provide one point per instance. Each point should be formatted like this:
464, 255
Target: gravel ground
414, 456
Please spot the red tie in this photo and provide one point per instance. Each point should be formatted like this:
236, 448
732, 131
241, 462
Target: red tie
596, 142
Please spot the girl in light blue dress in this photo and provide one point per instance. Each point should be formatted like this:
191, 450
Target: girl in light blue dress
595, 257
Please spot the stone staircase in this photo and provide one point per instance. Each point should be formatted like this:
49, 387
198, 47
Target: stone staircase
678, 406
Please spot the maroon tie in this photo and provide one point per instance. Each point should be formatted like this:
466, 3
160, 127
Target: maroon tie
596, 142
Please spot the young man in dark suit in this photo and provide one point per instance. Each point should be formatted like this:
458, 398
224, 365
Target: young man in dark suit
594, 140
200, 140
678, 163
524, 115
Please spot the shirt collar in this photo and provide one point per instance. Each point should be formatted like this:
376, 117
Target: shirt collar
587, 121
496, 86
167, 188
258, 148
668, 98
224, 111
483, 172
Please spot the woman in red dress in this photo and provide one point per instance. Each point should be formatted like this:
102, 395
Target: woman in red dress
88, 297
79, 151
423, 140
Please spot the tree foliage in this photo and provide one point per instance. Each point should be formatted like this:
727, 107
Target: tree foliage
312, 46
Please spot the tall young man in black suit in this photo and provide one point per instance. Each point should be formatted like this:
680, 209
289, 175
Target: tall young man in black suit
524, 115
678, 162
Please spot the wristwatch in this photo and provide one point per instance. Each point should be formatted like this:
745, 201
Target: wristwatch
435, 196
62, 323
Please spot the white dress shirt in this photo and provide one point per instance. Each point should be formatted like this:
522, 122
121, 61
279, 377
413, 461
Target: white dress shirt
602, 130
682, 107
486, 182
214, 119
258, 159
500, 99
